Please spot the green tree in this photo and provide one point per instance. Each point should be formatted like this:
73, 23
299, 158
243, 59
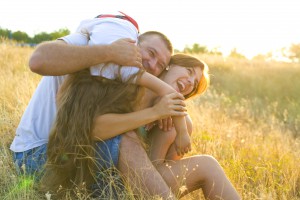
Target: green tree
195, 49
177, 51
235, 54
41, 37
187, 49
215, 51
20, 36
60, 33
294, 52
260, 57
5, 33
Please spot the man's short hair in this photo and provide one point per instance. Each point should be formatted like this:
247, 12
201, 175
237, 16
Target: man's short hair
163, 37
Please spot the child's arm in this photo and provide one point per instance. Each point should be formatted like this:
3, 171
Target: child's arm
182, 142
172, 152
112, 124
184, 138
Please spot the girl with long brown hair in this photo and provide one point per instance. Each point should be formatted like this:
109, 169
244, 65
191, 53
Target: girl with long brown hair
82, 97
71, 150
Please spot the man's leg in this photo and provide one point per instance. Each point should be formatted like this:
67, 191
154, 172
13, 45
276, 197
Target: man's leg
136, 167
161, 145
31, 162
107, 153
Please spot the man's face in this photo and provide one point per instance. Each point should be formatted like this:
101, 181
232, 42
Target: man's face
155, 55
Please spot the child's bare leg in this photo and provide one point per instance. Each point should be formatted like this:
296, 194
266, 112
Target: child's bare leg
191, 173
201, 171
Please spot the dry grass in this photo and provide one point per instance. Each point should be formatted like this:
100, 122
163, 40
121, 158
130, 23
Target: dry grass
248, 119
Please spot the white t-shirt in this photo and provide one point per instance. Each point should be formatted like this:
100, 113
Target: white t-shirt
37, 120
105, 31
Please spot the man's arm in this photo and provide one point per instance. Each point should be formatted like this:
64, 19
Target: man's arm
59, 58
110, 125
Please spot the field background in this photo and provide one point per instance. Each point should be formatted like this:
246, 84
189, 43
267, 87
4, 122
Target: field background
249, 120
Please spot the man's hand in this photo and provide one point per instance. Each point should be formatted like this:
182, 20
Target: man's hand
56, 58
170, 105
125, 52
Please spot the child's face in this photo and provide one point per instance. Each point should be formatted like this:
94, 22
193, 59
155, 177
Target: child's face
155, 55
183, 79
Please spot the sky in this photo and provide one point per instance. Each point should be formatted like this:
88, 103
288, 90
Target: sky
251, 26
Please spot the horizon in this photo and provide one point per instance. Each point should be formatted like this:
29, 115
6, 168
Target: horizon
250, 27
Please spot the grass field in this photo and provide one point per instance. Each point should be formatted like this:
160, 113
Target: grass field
249, 120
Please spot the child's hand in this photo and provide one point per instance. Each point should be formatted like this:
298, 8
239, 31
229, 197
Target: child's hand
182, 143
165, 124
149, 126
170, 105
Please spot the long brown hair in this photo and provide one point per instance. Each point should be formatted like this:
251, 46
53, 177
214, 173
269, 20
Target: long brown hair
70, 153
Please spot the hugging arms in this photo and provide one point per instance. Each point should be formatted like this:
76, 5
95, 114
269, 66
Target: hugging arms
155, 45
150, 61
30, 143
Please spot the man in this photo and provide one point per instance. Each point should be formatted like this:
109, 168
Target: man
58, 59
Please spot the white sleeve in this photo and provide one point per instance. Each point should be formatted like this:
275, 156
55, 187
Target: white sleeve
80, 37
112, 72
75, 39
106, 31
102, 31
127, 72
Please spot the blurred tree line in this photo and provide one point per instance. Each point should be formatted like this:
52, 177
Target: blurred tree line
291, 53
198, 49
23, 37
201, 49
